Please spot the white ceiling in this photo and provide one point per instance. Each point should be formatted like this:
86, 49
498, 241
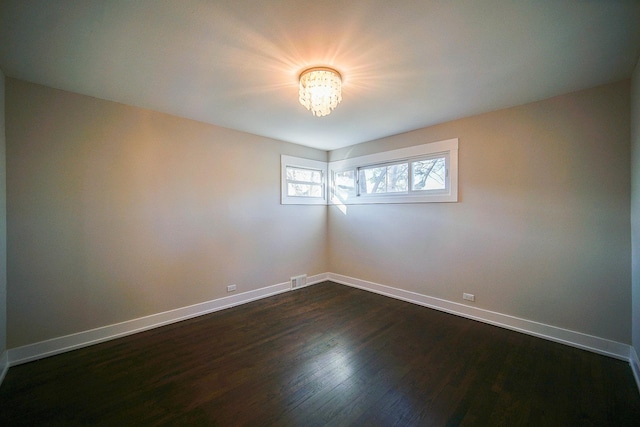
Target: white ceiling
406, 64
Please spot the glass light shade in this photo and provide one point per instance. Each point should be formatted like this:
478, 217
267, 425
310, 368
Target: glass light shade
320, 90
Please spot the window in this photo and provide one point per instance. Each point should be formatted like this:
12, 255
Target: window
389, 178
429, 174
424, 173
420, 174
303, 181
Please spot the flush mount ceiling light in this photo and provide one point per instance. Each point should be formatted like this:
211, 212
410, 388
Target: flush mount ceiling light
320, 90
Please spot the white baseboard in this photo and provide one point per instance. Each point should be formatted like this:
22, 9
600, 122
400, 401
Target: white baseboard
635, 365
59, 345
553, 333
4, 365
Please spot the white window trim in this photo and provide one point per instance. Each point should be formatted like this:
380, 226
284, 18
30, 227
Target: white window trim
449, 147
305, 164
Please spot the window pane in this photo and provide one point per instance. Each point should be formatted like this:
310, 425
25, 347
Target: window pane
373, 180
344, 182
384, 179
397, 178
304, 190
429, 174
304, 175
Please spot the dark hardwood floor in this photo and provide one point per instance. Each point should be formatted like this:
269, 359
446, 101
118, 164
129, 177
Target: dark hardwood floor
323, 355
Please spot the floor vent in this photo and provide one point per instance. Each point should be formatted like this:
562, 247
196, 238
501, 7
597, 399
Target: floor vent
298, 281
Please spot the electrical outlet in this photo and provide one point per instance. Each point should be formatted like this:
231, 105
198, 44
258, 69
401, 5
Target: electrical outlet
231, 288
469, 297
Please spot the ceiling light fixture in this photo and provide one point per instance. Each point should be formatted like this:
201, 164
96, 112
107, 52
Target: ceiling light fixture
320, 90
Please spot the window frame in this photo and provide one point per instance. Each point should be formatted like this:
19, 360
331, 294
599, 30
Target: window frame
300, 163
447, 148
358, 178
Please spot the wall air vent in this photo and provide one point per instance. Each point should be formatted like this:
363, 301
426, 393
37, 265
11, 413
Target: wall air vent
298, 281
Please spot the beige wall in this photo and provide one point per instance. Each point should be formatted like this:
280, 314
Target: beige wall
635, 206
3, 225
117, 212
541, 230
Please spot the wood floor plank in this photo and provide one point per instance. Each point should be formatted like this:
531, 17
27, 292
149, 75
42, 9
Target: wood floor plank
324, 355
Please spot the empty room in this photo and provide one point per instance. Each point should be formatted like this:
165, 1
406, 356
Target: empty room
320, 213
